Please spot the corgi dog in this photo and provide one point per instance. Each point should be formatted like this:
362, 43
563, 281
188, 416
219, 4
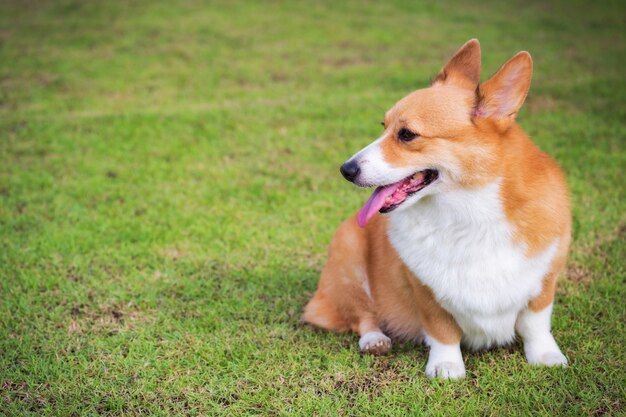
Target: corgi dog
465, 233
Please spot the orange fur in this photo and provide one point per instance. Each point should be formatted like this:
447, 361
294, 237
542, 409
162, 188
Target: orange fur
473, 127
359, 255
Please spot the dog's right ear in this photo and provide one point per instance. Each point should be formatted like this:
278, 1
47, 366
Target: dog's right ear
463, 69
501, 96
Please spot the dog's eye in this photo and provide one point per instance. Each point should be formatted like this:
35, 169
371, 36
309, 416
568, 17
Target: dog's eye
406, 135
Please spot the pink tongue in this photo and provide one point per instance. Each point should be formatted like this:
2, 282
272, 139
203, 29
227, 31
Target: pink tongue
376, 202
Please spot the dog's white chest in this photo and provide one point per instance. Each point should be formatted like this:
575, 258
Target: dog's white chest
459, 243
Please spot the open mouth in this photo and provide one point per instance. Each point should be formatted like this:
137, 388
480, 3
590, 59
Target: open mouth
389, 197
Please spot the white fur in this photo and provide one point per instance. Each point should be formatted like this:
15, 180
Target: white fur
375, 170
372, 339
539, 344
366, 287
444, 361
459, 243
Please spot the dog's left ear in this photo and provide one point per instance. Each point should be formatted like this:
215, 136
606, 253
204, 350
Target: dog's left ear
463, 69
501, 96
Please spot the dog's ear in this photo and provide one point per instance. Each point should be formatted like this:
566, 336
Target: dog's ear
501, 96
463, 69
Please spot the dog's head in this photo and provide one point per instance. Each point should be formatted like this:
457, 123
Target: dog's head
442, 137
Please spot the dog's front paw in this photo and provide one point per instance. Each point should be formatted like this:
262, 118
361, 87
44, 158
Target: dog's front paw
554, 358
375, 343
445, 370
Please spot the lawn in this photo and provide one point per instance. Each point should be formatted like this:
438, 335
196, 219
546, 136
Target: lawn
169, 183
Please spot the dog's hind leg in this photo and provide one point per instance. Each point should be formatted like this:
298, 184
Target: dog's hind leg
373, 340
343, 300
322, 311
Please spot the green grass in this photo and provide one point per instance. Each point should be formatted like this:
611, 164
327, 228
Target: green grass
169, 183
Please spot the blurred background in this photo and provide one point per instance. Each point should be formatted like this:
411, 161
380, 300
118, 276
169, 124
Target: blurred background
169, 183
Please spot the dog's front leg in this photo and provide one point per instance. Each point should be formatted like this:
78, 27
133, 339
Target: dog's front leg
444, 360
442, 334
539, 344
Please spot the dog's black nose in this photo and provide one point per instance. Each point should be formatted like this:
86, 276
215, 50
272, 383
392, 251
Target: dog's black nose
350, 170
